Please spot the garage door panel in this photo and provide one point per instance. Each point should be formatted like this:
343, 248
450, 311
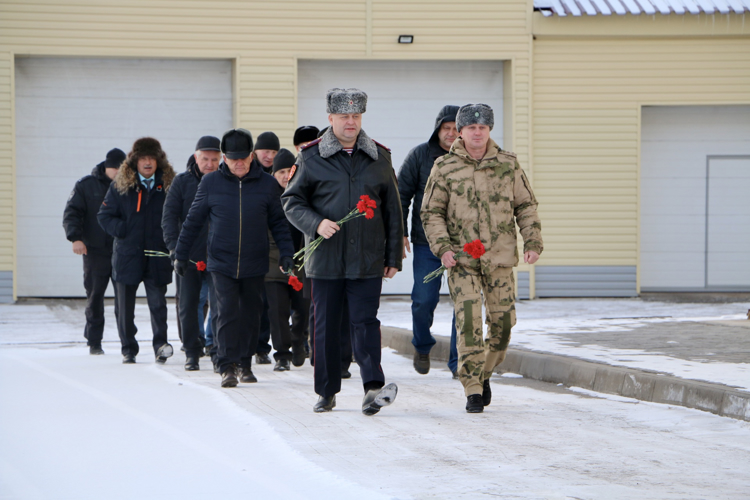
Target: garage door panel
70, 112
404, 98
693, 198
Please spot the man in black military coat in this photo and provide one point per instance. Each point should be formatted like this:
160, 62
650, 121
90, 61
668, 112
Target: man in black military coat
131, 213
89, 240
179, 199
331, 174
240, 203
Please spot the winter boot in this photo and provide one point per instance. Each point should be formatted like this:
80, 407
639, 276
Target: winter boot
486, 393
422, 363
474, 404
282, 365
375, 399
96, 350
229, 376
163, 352
191, 364
246, 375
325, 404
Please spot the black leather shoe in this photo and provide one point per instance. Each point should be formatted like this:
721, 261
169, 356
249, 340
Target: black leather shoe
262, 359
325, 404
229, 377
163, 352
96, 350
246, 375
474, 404
191, 364
282, 365
128, 359
345, 373
486, 393
422, 363
375, 399
298, 354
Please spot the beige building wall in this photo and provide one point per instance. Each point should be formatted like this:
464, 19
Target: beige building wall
265, 40
591, 75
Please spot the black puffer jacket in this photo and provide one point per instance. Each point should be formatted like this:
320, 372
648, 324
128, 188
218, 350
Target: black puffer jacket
176, 207
414, 172
298, 240
79, 218
132, 214
239, 213
327, 184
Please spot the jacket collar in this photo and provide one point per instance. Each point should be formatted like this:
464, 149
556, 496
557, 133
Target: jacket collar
459, 149
99, 172
329, 145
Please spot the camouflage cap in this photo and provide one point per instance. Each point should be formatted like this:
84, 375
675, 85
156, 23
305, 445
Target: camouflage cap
469, 114
345, 101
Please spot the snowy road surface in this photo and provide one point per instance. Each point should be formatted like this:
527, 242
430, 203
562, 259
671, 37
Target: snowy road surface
74, 426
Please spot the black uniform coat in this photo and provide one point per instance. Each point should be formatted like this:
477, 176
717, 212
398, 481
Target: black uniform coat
298, 240
79, 218
327, 184
179, 199
132, 214
239, 213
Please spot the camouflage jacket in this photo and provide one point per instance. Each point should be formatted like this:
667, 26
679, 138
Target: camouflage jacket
466, 199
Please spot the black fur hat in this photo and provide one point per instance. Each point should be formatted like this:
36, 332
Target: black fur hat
305, 133
146, 146
345, 101
469, 114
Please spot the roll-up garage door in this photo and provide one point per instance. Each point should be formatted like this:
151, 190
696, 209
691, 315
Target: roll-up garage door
404, 98
70, 112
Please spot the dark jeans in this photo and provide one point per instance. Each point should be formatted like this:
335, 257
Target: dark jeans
283, 300
97, 270
156, 296
189, 292
363, 297
425, 297
239, 303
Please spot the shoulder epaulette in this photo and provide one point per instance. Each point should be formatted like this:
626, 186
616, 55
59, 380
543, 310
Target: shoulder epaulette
82, 178
382, 145
311, 144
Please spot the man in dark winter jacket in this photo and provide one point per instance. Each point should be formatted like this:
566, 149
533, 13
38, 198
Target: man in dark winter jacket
131, 213
89, 239
283, 299
179, 199
304, 135
266, 148
240, 203
330, 177
412, 179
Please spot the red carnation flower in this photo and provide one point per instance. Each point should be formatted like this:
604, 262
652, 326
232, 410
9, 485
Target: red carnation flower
369, 213
361, 206
295, 283
200, 265
475, 249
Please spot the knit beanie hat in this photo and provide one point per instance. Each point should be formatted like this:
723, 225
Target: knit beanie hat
470, 114
283, 159
115, 157
345, 101
268, 140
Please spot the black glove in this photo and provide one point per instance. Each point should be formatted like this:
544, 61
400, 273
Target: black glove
172, 257
287, 264
180, 267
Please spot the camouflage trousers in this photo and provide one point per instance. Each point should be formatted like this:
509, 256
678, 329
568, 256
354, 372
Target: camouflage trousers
477, 356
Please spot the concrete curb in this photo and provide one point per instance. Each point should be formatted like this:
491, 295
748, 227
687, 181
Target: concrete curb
644, 385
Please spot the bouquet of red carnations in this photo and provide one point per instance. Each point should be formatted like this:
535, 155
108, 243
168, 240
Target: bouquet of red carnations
475, 249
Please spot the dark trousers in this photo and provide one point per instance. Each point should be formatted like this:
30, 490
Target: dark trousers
363, 296
156, 296
189, 292
346, 340
283, 300
238, 308
264, 335
97, 270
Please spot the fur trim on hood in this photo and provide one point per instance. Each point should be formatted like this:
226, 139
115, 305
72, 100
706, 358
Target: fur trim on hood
127, 175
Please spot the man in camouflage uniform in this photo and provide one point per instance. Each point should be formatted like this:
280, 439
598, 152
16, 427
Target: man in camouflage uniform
478, 191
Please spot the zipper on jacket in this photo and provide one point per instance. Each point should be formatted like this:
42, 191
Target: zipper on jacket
239, 250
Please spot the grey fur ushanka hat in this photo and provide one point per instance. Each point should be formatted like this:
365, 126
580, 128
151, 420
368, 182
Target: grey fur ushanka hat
345, 101
469, 114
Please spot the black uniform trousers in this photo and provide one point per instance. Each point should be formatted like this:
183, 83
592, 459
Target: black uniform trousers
156, 297
264, 335
189, 291
97, 271
363, 296
239, 303
283, 300
346, 340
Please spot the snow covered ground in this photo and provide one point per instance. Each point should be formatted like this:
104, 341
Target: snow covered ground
551, 325
74, 426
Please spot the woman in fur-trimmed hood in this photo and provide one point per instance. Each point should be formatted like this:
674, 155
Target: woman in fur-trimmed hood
132, 213
127, 176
